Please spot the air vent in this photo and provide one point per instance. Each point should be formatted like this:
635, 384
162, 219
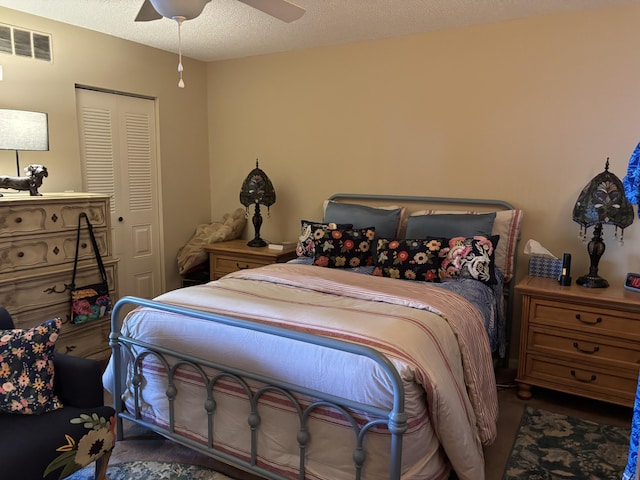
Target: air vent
25, 43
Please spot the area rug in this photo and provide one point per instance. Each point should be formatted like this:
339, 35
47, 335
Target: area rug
150, 471
550, 446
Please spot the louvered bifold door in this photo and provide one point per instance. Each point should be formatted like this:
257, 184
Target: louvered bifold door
119, 158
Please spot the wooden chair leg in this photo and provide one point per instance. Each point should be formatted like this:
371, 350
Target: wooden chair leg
101, 466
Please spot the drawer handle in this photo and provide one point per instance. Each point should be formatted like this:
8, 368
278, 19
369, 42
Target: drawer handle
19, 220
589, 322
592, 378
240, 267
577, 346
54, 289
20, 254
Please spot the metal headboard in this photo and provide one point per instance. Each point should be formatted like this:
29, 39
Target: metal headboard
424, 200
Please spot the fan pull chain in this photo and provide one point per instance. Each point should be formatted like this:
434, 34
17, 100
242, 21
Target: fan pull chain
180, 69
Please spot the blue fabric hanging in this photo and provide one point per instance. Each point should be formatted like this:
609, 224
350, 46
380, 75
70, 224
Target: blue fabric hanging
632, 462
631, 181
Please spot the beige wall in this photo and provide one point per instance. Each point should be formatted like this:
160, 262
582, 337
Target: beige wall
88, 58
525, 111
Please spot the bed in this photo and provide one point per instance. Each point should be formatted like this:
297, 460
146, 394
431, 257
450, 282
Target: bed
354, 361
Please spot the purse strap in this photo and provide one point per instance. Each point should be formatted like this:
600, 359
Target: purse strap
103, 273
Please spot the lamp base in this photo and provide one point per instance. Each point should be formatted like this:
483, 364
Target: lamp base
592, 282
257, 242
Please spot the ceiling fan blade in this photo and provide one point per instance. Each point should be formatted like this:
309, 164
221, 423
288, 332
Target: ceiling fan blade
281, 9
147, 13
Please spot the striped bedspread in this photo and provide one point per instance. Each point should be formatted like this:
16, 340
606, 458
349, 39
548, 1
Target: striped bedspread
434, 337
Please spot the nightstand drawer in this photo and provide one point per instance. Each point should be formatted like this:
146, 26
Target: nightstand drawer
234, 255
585, 319
616, 385
227, 264
616, 353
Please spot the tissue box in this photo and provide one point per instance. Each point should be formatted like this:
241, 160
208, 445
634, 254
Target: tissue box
545, 267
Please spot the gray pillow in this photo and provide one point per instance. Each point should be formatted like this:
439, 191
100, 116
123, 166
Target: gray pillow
384, 221
450, 225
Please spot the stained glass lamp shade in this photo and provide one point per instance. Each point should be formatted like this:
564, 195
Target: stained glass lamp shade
257, 190
601, 202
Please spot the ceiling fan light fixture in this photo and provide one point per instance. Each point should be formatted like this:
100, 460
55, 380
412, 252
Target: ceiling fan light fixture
181, 10
187, 9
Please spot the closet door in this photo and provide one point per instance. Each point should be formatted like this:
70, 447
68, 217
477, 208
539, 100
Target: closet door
118, 148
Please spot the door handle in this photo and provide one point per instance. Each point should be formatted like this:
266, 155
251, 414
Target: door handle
120, 219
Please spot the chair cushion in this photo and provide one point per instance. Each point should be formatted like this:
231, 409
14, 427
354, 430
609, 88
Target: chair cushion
34, 440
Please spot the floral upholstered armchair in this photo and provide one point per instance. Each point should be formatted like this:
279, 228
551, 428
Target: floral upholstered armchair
52, 414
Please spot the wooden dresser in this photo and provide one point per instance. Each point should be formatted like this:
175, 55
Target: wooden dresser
583, 341
227, 257
37, 249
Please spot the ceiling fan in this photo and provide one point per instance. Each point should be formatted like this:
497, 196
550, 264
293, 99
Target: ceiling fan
189, 9
181, 10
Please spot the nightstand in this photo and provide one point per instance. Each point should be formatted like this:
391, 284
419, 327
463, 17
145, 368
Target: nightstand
227, 257
583, 341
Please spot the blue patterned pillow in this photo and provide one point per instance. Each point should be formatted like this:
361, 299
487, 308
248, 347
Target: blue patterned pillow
408, 259
312, 231
26, 369
344, 248
469, 257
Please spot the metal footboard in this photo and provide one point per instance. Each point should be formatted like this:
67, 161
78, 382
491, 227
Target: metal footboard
394, 419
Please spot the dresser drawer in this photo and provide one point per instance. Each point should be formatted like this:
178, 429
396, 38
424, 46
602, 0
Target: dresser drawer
32, 217
604, 321
88, 339
611, 385
41, 251
581, 347
31, 293
224, 264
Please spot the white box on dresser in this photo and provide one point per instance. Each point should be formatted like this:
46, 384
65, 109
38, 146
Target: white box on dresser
37, 250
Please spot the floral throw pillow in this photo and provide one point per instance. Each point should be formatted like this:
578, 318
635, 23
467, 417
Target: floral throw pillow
313, 231
471, 257
26, 369
349, 248
408, 259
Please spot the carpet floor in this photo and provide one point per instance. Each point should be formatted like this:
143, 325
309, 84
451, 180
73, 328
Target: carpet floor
142, 445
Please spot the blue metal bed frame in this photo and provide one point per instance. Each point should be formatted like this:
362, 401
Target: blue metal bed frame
394, 418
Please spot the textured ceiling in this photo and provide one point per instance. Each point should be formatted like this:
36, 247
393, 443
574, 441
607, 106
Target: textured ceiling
230, 29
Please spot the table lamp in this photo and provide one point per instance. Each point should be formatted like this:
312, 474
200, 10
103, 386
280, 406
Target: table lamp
23, 130
601, 202
257, 190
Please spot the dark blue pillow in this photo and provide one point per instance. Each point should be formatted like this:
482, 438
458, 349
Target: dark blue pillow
384, 221
450, 225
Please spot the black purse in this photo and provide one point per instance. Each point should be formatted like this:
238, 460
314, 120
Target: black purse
89, 302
